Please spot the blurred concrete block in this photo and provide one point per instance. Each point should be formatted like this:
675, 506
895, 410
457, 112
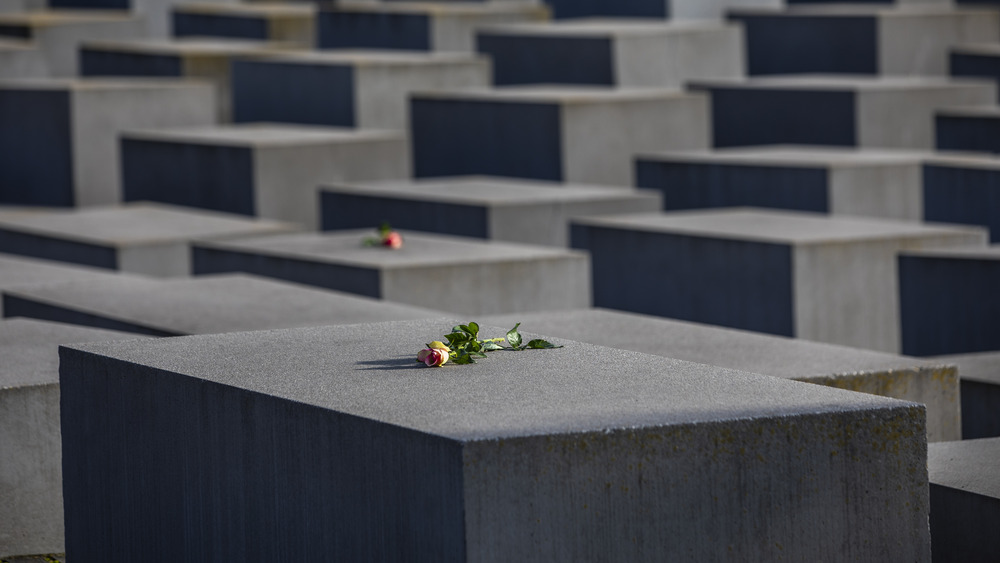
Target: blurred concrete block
263, 170
17, 271
830, 279
59, 140
885, 39
540, 456
366, 89
143, 238
562, 134
20, 58
949, 302
965, 500
933, 383
453, 274
895, 112
31, 464
201, 305
970, 128
674, 9
963, 189
612, 52
980, 380
974, 60
480, 207
290, 23
189, 58
867, 182
441, 26
58, 33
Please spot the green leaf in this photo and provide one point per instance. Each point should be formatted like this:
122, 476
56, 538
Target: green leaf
491, 346
514, 337
539, 344
456, 328
474, 329
464, 359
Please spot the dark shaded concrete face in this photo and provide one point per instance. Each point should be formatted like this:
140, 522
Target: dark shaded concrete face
311, 94
618, 8
35, 142
97, 62
374, 30
966, 196
774, 117
210, 25
823, 44
523, 59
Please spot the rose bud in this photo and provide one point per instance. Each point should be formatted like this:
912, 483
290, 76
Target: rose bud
393, 240
433, 357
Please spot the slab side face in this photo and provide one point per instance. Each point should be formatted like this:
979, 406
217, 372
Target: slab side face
356, 29
525, 59
968, 196
656, 494
163, 467
823, 44
768, 117
905, 118
311, 94
36, 145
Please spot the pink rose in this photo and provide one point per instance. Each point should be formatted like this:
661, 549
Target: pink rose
393, 240
435, 355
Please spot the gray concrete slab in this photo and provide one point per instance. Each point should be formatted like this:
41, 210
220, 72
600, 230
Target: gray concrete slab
455, 274
980, 380
287, 22
481, 207
933, 383
58, 32
424, 26
202, 305
887, 39
965, 499
859, 111
948, 300
143, 238
263, 170
612, 52
60, 136
16, 271
555, 133
347, 88
200, 58
830, 279
31, 464
21, 59
555, 455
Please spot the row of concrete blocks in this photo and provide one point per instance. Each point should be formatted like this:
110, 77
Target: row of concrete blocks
239, 303
485, 132
624, 443
876, 284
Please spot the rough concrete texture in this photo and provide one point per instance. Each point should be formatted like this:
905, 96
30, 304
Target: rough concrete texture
578, 453
200, 305
482, 207
980, 380
862, 111
621, 52
31, 464
264, 170
830, 279
965, 500
19, 271
840, 181
933, 383
143, 238
455, 274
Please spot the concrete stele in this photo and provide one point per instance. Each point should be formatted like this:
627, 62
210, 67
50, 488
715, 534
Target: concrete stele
980, 381
965, 499
582, 452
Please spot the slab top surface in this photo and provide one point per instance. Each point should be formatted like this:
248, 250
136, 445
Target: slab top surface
29, 349
603, 27
102, 83
419, 249
370, 371
969, 465
849, 9
438, 8
987, 111
273, 9
838, 82
219, 46
48, 18
222, 303
374, 57
783, 227
140, 223
748, 351
990, 253
261, 134
488, 191
16, 271
983, 367
559, 94
795, 155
